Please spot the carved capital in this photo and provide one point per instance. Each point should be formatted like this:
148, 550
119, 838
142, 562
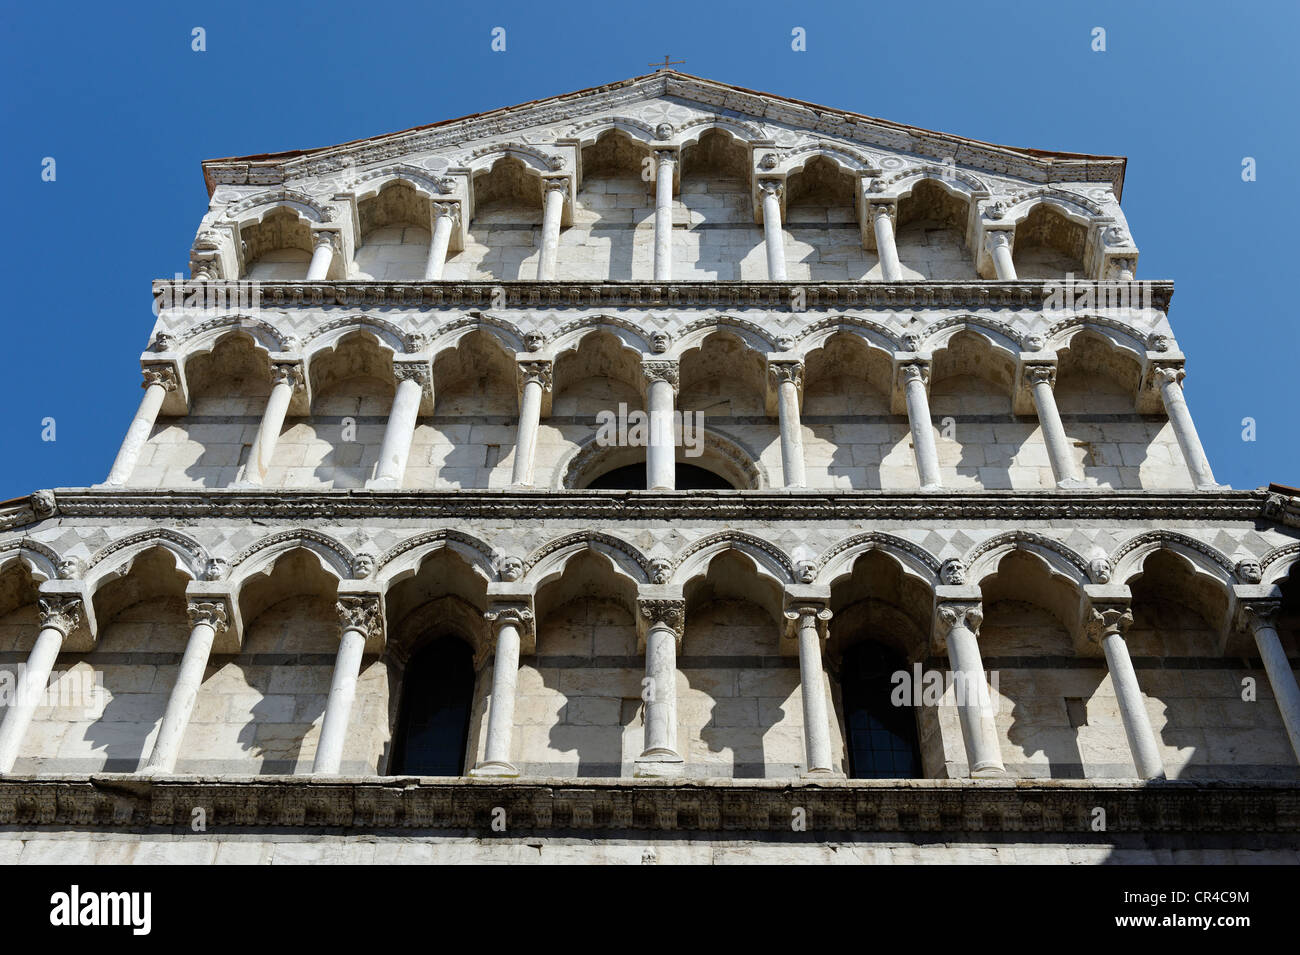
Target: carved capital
887, 208
807, 615
660, 370
556, 184
448, 208
518, 614
998, 239
287, 373
916, 371
211, 612
664, 612
326, 238
1260, 614
417, 371
786, 372
960, 613
539, 371
1038, 374
771, 187
1104, 622
164, 375
1170, 375
61, 613
665, 157
360, 612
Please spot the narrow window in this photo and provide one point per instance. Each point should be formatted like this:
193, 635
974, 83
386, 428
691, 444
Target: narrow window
437, 693
882, 740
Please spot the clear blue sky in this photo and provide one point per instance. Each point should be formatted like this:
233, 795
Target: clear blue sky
116, 95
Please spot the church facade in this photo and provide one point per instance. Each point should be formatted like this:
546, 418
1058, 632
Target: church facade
663, 472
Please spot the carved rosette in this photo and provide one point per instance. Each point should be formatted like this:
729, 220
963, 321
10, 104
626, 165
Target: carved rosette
60, 612
210, 612
786, 372
361, 613
960, 613
660, 370
1105, 622
539, 371
664, 612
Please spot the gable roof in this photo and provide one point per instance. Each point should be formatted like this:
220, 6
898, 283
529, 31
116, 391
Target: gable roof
669, 82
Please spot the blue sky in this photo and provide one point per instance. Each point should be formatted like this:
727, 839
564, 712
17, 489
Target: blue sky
116, 95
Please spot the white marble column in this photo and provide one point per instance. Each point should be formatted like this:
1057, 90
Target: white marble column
358, 618
661, 454
960, 621
1106, 626
918, 417
158, 380
1041, 379
1170, 381
810, 622
412, 379
788, 376
773, 235
207, 619
999, 246
445, 216
555, 191
665, 163
60, 615
326, 246
510, 622
535, 381
286, 377
883, 215
665, 624
1260, 617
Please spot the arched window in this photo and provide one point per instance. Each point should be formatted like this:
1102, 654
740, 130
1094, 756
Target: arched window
881, 737
437, 693
632, 477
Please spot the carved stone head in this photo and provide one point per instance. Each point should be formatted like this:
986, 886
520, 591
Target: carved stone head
363, 566
217, 569
661, 568
70, 568
43, 503
1035, 342
953, 571
664, 131
534, 341
512, 568
768, 161
1249, 570
1100, 570
805, 571
659, 342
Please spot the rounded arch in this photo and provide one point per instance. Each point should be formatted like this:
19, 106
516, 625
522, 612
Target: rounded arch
983, 559
1001, 338
203, 337
721, 455
744, 133
751, 335
326, 336
41, 561
506, 334
403, 560
958, 183
837, 562
1285, 557
589, 131
1203, 558
112, 560
568, 338
694, 560
252, 210
547, 562
872, 333
335, 556
486, 157
1076, 209
370, 184
1116, 334
849, 160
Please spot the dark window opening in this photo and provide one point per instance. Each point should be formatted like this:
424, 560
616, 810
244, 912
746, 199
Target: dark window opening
632, 477
882, 740
437, 693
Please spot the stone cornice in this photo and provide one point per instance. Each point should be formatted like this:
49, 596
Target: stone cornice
169, 293
732, 506
377, 804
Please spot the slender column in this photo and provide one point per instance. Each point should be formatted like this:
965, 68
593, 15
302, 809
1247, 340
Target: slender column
918, 417
326, 245
287, 376
810, 623
974, 703
535, 381
665, 162
444, 220
359, 618
556, 190
60, 615
999, 245
882, 219
207, 619
789, 376
1260, 617
1107, 626
661, 455
1041, 379
665, 620
412, 378
772, 233
510, 622
158, 380
1170, 381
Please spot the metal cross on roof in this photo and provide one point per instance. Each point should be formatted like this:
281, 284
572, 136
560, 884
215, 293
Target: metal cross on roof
666, 63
